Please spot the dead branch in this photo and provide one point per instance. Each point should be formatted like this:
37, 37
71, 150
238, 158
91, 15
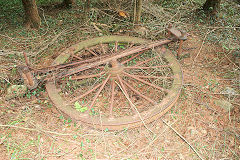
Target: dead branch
183, 139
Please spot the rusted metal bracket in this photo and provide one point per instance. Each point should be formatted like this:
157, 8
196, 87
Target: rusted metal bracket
28, 77
178, 35
27, 74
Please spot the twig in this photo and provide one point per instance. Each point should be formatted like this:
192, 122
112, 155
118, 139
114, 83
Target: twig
5, 79
231, 60
8, 52
152, 141
50, 43
36, 130
183, 139
61, 154
103, 134
127, 148
95, 26
223, 27
12, 39
223, 58
208, 93
202, 45
45, 18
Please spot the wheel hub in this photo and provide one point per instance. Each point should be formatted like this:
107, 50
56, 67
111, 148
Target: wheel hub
115, 69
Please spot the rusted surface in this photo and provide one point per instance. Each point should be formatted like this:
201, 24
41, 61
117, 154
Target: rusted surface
143, 62
131, 58
116, 56
27, 76
179, 35
143, 81
98, 92
87, 49
123, 88
112, 97
100, 40
157, 77
137, 92
119, 123
26, 59
86, 93
180, 48
87, 76
152, 67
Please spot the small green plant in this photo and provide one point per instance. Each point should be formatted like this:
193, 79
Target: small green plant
61, 117
79, 107
93, 112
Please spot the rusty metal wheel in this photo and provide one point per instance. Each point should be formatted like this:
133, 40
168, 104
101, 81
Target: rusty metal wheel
113, 88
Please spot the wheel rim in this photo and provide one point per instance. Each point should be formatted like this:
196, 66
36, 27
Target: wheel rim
116, 87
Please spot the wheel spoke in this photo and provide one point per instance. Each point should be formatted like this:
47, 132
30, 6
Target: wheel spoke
87, 76
86, 93
112, 98
137, 92
143, 81
74, 56
125, 93
152, 67
98, 92
87, 49
157, 77
131, 58
143, 62
148, 60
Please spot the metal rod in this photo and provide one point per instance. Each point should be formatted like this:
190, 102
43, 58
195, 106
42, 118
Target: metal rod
117, 56
137, 92
180, 48
158, 77
143, 62
87, 49
125, 93
112, 98
69, 64
77, 57
133, 67
131, 58
87, 76
26, 59
116, 46
143, 81
27, 75
86, 93
29, 78
98, 92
